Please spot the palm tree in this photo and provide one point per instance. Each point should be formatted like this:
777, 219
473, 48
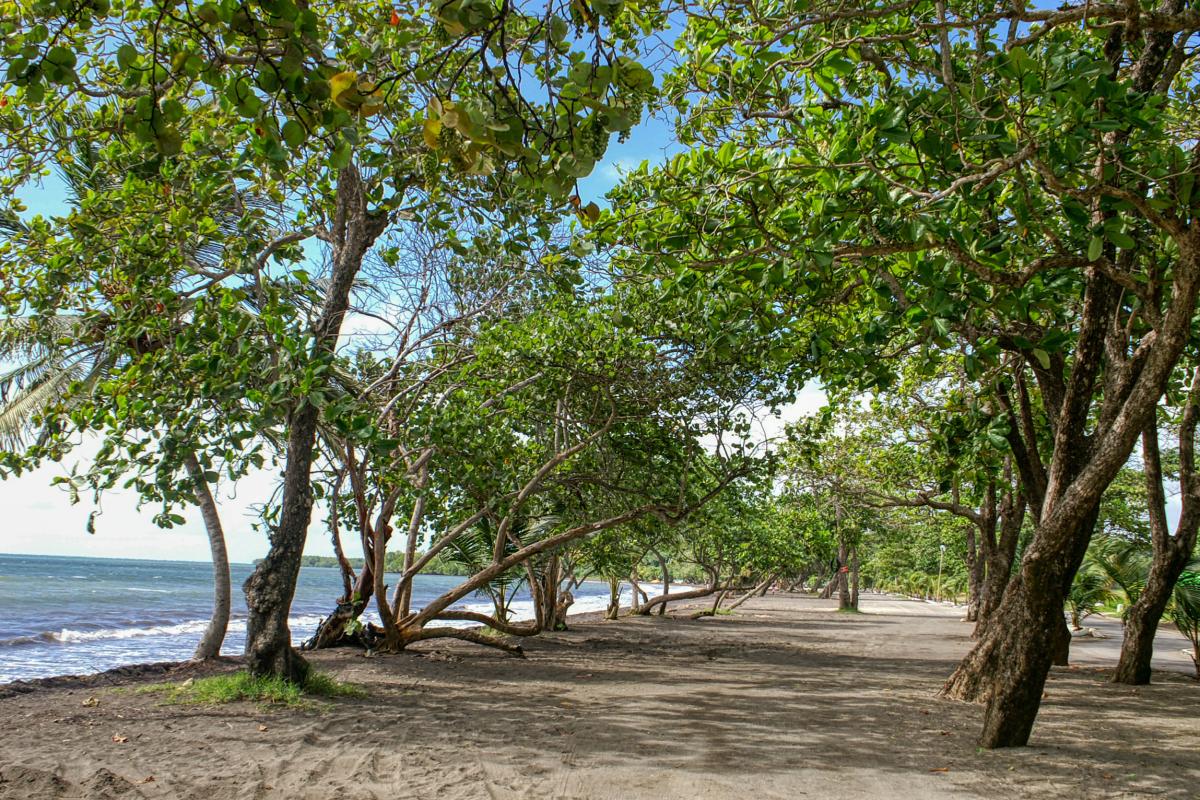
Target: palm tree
1125, 564
56, 361
1184, 609
1089, 591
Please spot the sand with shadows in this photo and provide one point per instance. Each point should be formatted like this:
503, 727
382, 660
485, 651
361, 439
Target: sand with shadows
784, 699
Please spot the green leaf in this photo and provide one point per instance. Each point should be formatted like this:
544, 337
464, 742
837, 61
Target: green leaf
339, 157
126, 56
293, 133
1095, 248
1119, 238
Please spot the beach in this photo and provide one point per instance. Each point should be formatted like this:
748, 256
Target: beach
84, 615
785, 698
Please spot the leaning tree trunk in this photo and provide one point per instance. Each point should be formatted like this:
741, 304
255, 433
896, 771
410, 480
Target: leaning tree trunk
214, 634
1141, 622
1008, 667
331, 632
271, 587
662, 599
1171, 553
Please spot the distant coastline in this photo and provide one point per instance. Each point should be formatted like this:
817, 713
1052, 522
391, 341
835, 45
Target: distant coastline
394, 563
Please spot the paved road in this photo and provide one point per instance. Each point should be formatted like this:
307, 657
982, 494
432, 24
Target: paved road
1172, 651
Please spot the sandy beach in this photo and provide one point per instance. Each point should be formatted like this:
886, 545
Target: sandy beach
784, 699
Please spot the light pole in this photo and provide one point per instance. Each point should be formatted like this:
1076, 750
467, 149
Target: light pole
941, 559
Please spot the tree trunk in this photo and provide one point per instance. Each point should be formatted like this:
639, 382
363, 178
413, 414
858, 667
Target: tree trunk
214, 634
635, 602
271, 587
845, 602
691, 594
331, 632
757, 591
614, 599
978, 549
854, 578
666, 577
1060, 655
1000, 559
1008, 667
1171, 553
1141, 622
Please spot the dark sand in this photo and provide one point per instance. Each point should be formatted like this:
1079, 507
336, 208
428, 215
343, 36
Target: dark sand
785, 699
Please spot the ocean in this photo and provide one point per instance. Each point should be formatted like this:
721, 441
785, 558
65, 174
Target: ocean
72, 616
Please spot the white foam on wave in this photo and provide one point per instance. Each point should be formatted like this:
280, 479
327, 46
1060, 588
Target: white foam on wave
519, 611
522, 610
192, 626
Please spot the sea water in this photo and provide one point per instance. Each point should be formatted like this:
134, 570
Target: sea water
64, 616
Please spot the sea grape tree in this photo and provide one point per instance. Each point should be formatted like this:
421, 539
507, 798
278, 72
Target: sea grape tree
1013, 182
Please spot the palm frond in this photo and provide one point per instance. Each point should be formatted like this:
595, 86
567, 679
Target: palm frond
1125, 564
18, 416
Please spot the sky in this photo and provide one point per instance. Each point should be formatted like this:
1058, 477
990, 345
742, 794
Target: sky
39, 518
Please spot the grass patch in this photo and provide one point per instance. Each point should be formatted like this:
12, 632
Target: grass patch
231, 688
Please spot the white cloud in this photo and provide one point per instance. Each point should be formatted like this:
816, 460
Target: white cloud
39, 519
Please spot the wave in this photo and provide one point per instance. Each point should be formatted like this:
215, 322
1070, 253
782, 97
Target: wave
187, 627
519, 611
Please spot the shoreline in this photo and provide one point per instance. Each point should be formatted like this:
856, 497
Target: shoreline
784, 698
136, 671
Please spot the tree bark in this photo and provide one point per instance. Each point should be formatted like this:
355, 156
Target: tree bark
271, 587
331, 631
1171, 553
218, 624
1060, 654
614, 599
977, 553
854, 578
666, 577
1000, 558
691, 594
846, 602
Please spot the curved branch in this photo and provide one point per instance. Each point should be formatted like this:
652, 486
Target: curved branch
466, 635
491, 622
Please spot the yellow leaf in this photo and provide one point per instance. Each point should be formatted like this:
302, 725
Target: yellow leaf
430, 131
340, 85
